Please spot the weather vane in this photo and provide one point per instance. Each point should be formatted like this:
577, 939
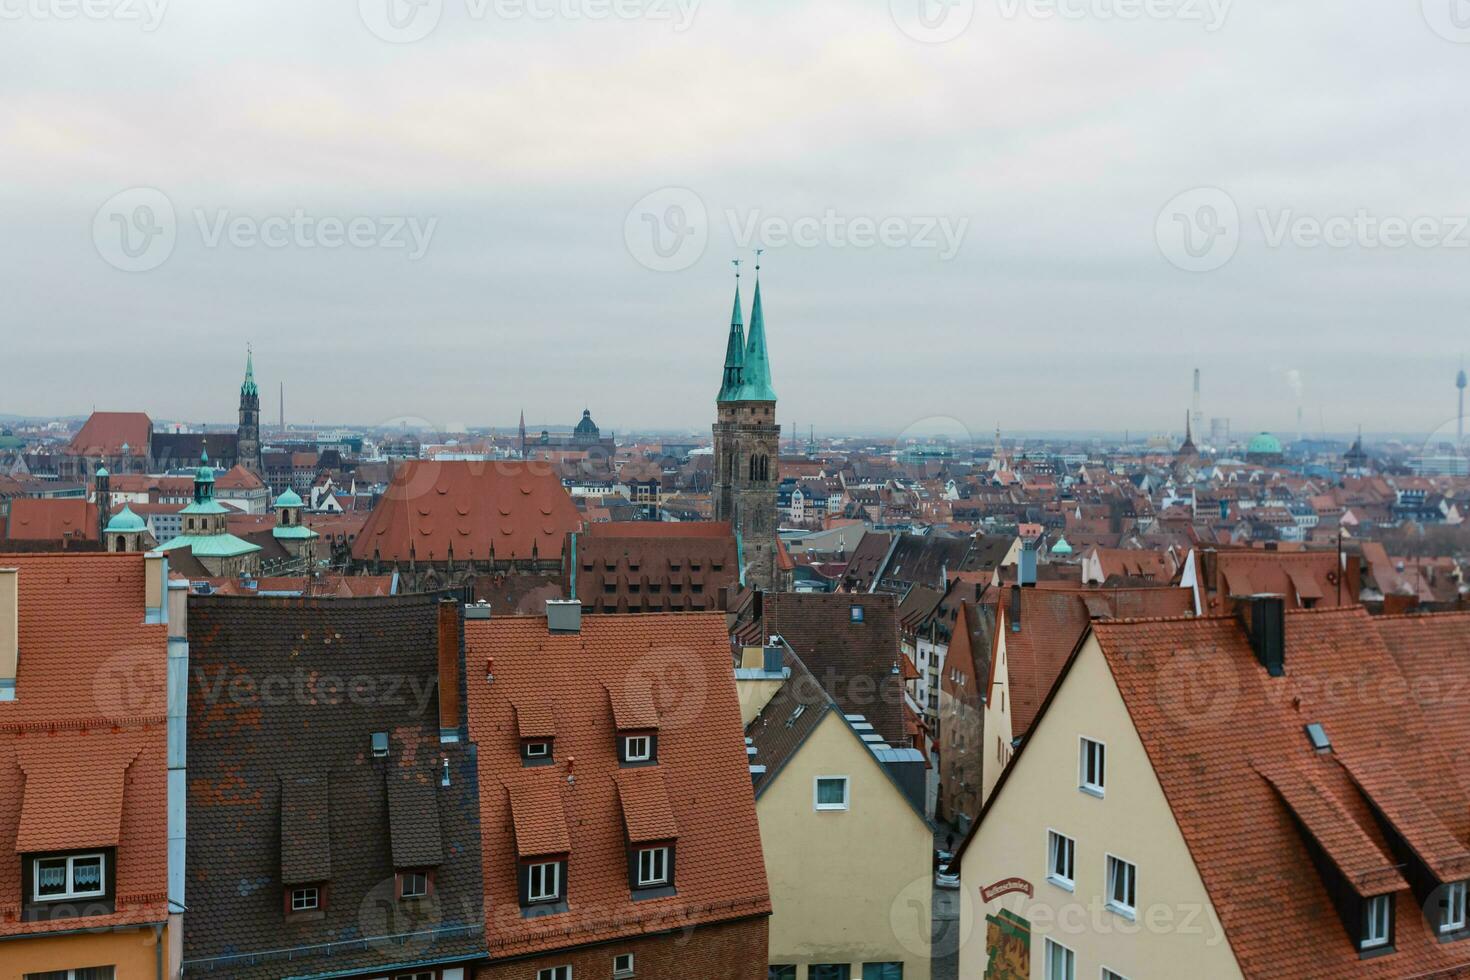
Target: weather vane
758, 259
736, 264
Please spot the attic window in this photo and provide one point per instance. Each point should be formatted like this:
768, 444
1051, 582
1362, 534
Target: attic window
1377, 922
59, 879
380, 744
635, 749
536, 752
305, 899
1318, 737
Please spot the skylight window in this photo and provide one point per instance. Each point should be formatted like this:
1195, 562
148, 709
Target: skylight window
1318, 737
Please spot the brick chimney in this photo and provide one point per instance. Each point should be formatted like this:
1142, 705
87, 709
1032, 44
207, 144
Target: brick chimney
9, 631
450, 644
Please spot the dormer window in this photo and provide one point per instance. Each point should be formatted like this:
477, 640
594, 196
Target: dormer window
655, 867
542, 882
637, 749
1452, 907
65, 879
413, 884
536, 752
303, 898
1377, 923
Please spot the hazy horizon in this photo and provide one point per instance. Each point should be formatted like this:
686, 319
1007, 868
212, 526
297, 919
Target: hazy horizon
525, 212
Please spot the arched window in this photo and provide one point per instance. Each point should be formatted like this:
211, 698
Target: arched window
122, 544
753, 465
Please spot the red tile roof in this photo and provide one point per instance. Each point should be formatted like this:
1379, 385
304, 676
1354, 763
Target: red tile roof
104, 433
647, 814
52, 519
83, 746
478, 510
1237, 789
681, 664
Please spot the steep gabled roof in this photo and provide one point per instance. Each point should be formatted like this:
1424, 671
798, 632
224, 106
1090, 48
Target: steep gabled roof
680, 667
85, 741
105, 433
433, 509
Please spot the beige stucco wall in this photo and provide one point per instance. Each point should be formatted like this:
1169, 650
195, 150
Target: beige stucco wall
849, 886
754, 695
996, 735
1176, 932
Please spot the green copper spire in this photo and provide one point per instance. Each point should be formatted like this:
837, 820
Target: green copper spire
734, 348
757, 368
248, 388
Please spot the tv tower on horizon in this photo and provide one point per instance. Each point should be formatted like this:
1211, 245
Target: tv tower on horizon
1460, 416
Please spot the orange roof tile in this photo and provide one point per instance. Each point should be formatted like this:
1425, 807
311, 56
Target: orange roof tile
647, 814
683, 661
436, 509
91, 703
104, 433
538, 814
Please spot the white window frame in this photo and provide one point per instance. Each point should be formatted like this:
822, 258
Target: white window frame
306, 891
1372, 939
622, 969
538, 750
406, 876
1112, 975
654, 855
535, 896
554, 973
72, 892
1054, 839
1055, 949
646, 755
1452, 907
817, 793
1098, 788
1115, 865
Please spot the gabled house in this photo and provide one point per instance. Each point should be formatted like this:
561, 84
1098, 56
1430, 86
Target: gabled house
620, 834
333, 816
848, 850
91, 766
1266, 794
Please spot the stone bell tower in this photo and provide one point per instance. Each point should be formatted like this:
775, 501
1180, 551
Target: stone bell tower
747, 444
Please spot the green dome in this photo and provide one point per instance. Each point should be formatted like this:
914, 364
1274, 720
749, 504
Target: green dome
289, 499
102, 471
1061, 547
125, 520
1264, 444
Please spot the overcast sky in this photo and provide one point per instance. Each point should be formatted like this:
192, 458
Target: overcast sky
969, 211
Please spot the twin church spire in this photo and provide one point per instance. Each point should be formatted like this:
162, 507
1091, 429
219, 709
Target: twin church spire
747, 376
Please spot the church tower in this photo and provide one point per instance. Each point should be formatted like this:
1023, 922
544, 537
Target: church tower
747, 443
247, 444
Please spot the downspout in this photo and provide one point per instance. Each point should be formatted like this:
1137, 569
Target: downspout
573, 592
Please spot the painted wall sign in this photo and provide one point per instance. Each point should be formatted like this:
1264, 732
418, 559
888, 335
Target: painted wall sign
1007, 947
1004, 887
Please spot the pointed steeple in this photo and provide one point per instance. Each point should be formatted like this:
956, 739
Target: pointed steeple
730, 381
756, 386
248, 388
